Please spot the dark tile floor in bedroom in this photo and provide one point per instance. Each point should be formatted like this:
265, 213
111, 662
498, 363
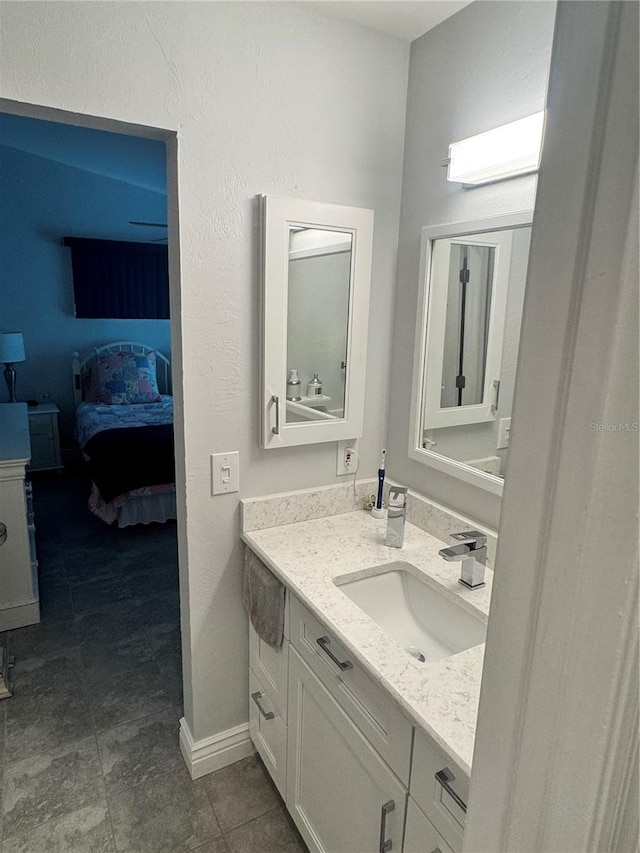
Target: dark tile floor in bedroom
89, 754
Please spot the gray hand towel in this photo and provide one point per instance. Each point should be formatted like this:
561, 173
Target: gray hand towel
263, 599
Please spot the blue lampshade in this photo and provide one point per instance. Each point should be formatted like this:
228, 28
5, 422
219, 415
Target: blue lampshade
11, 347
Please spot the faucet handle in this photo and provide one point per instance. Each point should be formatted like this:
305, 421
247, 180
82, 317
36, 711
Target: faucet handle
475, 537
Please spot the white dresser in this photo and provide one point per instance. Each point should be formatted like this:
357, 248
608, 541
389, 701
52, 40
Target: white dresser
19, 603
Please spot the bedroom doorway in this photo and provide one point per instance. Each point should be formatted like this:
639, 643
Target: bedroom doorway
108, 568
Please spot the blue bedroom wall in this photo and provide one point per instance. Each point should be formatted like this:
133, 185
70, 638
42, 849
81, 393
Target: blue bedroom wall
43, 200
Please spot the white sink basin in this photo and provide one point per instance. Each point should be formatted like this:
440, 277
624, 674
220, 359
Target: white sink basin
428, 624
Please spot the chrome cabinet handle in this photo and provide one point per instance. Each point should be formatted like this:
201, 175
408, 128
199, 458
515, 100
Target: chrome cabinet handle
386, 844
257, 696
276, 400
445, 777
323, 642
495, 387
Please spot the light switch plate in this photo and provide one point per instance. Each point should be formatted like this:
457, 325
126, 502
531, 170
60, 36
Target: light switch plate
225, 472
504, 433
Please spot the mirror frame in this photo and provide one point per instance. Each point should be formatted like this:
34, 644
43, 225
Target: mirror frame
487, 482
436, 316
278, 213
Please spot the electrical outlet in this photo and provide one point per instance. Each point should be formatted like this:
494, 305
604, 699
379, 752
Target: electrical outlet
504, 433
346, 462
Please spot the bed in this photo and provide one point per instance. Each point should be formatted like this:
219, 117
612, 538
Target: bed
124, 426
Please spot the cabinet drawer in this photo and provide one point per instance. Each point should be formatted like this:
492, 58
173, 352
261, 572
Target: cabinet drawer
40, 425
420, 835
368, 704
440, 806
271, 667
268, 732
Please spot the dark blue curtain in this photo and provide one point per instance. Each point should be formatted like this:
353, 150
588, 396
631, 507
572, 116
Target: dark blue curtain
114, 278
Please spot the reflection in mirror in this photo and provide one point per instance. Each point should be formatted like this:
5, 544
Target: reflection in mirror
319, 275
472, 308
466, 333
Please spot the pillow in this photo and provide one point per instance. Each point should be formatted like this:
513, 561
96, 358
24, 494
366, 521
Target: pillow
122, 378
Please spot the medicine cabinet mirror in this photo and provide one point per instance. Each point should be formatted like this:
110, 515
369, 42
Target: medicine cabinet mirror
472, 278
316, 280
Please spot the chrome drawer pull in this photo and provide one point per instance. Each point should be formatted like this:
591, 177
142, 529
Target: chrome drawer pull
276, 400
323, 642
257, 696
445, 777
386, 844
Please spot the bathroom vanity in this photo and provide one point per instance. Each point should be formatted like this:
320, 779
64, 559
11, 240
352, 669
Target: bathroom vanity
370, 747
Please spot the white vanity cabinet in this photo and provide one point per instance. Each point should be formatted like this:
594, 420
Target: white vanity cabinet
353, 771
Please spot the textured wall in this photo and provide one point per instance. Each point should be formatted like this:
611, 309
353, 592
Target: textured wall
485, 66
266, 98
42, 201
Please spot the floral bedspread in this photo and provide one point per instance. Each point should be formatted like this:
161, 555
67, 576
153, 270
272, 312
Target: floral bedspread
92, 418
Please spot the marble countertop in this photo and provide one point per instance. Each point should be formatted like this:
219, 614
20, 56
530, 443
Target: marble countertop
440, 697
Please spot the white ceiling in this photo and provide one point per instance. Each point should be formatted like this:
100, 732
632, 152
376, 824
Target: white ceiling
405, 19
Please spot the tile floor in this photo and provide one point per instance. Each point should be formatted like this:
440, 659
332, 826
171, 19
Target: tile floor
89, 756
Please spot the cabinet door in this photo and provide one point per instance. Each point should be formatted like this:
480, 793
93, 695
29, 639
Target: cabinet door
268, 732
270, 665
316, 276
420, 835
446, 809
341, 794
368, 704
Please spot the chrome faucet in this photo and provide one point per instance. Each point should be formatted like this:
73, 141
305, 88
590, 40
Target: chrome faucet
473, 554
396, 514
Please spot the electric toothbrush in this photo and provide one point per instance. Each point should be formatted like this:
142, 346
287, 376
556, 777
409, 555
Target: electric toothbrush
377, 510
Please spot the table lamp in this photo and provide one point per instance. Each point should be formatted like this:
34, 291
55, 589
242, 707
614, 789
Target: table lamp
11, 351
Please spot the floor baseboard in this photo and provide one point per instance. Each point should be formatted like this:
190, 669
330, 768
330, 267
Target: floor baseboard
212, 753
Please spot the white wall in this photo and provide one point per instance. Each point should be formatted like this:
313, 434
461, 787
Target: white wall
266, 98
557, 738
42, 201
485, 66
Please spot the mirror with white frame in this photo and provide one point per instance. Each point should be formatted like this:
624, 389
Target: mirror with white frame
316, 280
472, 278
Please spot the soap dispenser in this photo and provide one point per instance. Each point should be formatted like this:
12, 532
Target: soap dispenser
314, 388
396, 515
294, 386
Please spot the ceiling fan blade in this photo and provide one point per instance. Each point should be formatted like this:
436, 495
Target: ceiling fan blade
148, 224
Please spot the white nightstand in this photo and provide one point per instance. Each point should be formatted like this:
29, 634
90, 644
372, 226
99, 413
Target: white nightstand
45, 438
